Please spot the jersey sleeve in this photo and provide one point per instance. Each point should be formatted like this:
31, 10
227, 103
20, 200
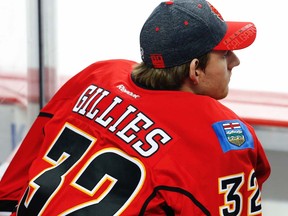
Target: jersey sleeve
262, 166
263, 169
15, 179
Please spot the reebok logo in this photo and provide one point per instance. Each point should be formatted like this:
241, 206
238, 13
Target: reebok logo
123, 89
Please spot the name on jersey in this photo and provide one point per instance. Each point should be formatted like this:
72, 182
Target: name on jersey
125, 120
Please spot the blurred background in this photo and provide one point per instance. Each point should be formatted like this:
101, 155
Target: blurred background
45, 42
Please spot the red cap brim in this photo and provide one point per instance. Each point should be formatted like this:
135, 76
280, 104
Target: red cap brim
239, 35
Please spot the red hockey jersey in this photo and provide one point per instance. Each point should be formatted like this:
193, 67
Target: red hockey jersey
105, 146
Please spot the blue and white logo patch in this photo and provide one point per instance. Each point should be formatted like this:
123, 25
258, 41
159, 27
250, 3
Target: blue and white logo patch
233, 135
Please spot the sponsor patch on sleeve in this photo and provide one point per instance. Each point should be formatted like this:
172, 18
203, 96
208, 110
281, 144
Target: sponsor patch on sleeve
233, 135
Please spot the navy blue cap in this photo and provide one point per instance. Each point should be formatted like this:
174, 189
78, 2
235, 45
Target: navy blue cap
178, 31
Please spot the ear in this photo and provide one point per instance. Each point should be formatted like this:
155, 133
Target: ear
194, 72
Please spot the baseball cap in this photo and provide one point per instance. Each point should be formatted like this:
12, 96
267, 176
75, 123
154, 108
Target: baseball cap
180, 30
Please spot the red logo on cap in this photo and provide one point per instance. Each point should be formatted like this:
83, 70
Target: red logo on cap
215, 11
157, 60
